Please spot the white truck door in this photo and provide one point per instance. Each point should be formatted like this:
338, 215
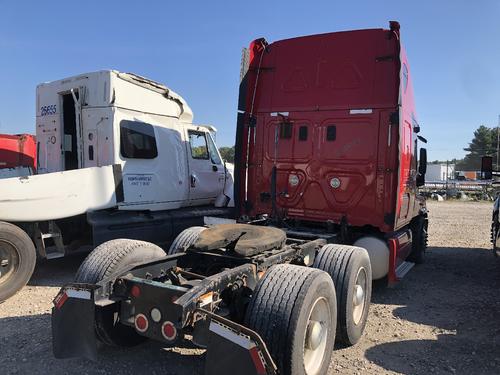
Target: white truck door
154, 168
205, 167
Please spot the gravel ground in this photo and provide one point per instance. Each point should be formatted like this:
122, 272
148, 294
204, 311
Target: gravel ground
443, 318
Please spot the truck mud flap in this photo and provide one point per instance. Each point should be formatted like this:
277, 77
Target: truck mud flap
234, 348
73, 332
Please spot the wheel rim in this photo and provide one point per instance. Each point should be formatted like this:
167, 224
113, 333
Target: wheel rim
359, 296
316, 336
9, 261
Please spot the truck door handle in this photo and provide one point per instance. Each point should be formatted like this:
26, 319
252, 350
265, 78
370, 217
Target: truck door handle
214, 168
193, 181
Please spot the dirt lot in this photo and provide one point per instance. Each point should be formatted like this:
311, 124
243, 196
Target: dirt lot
443, 318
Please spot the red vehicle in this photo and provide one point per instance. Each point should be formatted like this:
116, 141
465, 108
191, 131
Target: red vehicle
327, 142
17, 151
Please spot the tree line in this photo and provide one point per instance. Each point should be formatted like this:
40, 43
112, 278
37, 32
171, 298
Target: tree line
483, 143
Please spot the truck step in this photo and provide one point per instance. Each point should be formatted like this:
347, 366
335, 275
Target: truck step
50, 235
54, 254
403, 269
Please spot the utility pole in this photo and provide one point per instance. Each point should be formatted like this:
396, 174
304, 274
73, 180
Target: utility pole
498, 140
447, 163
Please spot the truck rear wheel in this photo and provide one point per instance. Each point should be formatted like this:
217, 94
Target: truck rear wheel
104, 260
350, 270
185, 239
495, 234
17, 259
419, 239
293, 309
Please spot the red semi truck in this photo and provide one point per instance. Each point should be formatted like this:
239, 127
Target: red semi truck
327, 143
17, 154
326, 151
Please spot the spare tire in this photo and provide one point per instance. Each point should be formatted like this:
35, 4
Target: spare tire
17, 259
106, 259
185, 239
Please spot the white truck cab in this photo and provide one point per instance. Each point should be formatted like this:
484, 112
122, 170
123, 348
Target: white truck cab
118, 157
108, 118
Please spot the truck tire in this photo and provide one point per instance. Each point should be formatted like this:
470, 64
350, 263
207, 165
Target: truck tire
495, 234
286, 309
351, 272
104, 260
185, 239
17, 259
419, 239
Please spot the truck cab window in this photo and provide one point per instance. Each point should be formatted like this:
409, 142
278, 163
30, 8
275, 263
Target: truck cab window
331, 133
137, 140
285, 130
198, 143
214, 154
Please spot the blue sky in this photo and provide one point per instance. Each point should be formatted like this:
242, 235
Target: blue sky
195, 48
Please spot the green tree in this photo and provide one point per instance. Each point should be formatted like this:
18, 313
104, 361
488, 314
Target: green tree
484, 143
227, 154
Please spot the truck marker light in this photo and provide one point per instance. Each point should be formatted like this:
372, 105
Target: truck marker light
168, 331
206, 299
141, 323
135, 291
155, 315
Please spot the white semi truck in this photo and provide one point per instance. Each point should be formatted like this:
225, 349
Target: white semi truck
118, 157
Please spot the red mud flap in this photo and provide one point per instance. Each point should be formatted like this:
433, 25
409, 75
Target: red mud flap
73, 332
233, 348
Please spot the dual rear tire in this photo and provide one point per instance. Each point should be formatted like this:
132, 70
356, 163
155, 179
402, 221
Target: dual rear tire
301, 312
350, 269
112, 257
293, 309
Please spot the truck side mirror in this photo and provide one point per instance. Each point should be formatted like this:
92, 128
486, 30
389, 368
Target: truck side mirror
486, 168
422, 167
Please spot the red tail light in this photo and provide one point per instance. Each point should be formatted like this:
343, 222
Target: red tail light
169, 331
135, 291
141, 323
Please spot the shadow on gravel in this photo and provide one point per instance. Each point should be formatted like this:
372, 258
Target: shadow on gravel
457, 294
26, 348
56, 272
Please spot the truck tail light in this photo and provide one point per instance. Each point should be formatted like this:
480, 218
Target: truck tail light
168, 331
141, 323
135, 291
